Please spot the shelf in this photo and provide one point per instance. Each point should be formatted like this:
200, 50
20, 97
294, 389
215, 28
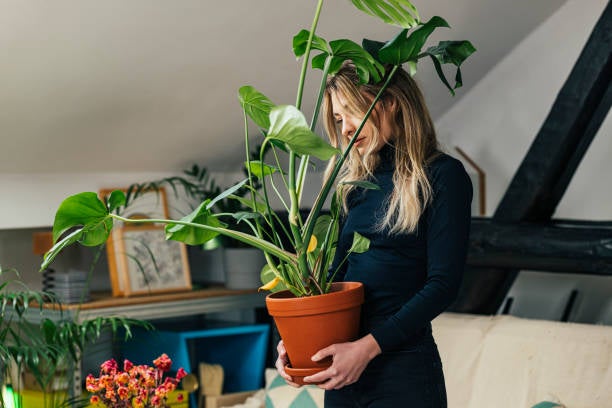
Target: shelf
152, 307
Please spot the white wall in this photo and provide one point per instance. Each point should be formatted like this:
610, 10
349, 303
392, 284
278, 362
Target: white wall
497, 121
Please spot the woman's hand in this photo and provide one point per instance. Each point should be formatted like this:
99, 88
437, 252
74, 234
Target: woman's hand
281, 362
349, 361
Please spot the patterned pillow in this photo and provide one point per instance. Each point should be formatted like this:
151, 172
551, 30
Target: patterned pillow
281, 395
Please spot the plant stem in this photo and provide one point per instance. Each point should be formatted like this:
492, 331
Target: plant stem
313, 28
312, 217
313, 123
294, 211
239, 236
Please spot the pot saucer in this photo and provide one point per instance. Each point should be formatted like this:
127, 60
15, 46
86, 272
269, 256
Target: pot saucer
298, 374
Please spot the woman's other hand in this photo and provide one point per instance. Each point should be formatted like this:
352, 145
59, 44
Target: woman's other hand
349, 361
281, 362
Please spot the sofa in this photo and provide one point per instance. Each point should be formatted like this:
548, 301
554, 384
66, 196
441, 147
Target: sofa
497, 361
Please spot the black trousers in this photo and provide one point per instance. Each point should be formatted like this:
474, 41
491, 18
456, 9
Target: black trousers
410, 378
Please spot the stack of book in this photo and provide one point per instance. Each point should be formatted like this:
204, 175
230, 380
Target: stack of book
68, 286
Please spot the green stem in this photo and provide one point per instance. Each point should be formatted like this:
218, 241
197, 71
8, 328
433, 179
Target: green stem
248, 166
313, 28
312, 217
294, 213
313, 123
237, 235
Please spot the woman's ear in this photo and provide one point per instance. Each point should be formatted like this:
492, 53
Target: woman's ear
391, 106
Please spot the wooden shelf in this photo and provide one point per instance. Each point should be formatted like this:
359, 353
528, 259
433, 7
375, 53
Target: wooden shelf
159, 306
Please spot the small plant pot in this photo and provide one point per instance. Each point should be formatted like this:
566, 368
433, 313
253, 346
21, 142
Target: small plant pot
309, 324
243, 267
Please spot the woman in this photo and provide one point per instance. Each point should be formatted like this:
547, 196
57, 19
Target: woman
418, 226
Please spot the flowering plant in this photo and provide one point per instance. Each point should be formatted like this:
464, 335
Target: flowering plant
137, 386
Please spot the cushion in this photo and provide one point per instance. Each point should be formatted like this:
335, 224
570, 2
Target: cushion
279, 394
523, 362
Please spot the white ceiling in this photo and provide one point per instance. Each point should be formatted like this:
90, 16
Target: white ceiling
151, 85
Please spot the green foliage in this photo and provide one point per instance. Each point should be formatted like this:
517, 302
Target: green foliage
47, 347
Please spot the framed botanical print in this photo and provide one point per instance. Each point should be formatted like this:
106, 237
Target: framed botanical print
151, 263
140, 260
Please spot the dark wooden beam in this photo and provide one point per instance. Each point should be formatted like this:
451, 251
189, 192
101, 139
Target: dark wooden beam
547, 169
574, 119
559, 246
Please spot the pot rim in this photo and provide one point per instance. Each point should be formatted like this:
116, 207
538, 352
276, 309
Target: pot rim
344, 295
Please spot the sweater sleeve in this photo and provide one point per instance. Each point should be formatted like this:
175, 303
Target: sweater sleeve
448, 221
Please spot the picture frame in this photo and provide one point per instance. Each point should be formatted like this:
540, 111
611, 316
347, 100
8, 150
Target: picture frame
151, 263
147, 204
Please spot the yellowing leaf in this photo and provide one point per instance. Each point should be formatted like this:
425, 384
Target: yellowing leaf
312, 245
270, 285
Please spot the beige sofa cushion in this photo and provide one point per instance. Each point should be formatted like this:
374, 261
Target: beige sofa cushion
505, 361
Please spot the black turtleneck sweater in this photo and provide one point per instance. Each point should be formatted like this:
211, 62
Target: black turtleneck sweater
409, 278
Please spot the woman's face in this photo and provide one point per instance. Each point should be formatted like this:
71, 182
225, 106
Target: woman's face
347, 124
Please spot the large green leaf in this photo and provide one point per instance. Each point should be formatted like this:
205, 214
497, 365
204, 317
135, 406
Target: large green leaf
256, 105
300, 40
450, 52
83, 210
395, 12
195, 235
405, 48
288, 125
341, 50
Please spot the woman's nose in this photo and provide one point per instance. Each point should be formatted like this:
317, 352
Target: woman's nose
347, 129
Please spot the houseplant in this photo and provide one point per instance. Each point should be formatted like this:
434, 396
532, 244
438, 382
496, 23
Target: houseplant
301, 267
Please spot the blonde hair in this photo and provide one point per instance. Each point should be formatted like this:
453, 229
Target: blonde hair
412, 136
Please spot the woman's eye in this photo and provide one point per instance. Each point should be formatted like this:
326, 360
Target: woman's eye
338, 120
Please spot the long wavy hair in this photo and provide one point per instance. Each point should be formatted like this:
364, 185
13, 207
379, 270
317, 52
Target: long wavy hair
413, 140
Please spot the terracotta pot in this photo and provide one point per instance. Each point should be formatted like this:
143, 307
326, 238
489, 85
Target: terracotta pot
308, 324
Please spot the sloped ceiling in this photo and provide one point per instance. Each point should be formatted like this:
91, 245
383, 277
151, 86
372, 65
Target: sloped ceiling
151, 85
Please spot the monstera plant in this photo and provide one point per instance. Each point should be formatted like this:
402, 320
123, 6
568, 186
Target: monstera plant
301, 266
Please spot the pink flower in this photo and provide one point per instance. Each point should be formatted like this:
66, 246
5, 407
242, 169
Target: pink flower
163, 362
109, 366
137, 386
180, 374
127, 365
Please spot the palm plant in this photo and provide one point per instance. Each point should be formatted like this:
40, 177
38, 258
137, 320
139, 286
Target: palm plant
302, 266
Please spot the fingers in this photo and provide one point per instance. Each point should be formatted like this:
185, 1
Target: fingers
326, 352
281, 362
330, 379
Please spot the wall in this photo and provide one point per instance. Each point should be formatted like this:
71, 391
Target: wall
495, 124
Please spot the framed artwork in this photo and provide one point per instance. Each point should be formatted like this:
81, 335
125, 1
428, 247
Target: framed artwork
151, 263
127, 245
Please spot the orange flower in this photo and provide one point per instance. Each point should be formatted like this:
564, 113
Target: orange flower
138, 386
163, 362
